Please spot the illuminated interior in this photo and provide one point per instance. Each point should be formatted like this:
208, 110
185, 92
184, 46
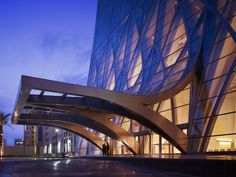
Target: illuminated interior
155, 53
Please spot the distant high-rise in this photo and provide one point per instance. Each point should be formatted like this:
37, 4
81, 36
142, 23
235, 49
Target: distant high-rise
57, 142
33, 136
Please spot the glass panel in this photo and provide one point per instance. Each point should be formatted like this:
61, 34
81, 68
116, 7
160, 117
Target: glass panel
182, 114
232, 85
35, 92
155, 143
167, 115
155, 107
233, 23
135, 126
222, 143
165, 146
146, 144
229, 103
176, 151
117, 147
215, 69
126, 125
204, 108
179, 35
225, 124
223, 48
165, 105
134, 73
211, 88
111, 82
182, 98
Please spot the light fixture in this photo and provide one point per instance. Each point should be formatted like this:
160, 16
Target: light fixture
224, 141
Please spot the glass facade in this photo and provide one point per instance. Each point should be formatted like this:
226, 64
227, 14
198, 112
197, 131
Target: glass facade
57, 142
147, 47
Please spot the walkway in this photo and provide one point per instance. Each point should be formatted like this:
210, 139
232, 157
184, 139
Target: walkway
77, 168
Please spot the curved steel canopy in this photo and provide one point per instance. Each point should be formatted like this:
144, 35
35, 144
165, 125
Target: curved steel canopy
120, 103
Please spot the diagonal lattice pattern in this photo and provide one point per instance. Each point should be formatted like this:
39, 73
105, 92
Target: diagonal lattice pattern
149, 47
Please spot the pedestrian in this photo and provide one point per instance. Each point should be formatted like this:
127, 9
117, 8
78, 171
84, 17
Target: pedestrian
107, 148
104, 149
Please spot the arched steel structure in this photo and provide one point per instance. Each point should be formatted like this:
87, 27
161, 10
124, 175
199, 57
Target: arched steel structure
125, 104
98, 123
75, 128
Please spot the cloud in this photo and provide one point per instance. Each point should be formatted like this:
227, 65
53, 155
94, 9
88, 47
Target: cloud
57, 56
51, 40
80, 79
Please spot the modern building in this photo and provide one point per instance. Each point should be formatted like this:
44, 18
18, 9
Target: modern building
19, 142
145, 47
59, 142
33, 136
161, 81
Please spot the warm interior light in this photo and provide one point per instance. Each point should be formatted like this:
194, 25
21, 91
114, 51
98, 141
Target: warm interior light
224, 141
134, 73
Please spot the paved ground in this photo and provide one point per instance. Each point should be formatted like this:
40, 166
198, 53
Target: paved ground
76, 167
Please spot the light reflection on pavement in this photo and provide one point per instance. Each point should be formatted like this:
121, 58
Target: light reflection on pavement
76, 167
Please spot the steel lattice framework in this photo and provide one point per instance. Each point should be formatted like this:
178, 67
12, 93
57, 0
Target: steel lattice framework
158, 48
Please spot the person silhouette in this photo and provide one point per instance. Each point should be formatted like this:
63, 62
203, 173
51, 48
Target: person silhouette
104, 149
107, 148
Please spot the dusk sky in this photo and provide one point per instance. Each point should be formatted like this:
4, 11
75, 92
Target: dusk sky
50, 39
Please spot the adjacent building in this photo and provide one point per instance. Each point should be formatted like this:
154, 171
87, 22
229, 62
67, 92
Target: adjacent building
58, 142
33, 137
19, 142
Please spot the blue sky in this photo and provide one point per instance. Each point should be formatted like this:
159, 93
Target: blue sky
43, 38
